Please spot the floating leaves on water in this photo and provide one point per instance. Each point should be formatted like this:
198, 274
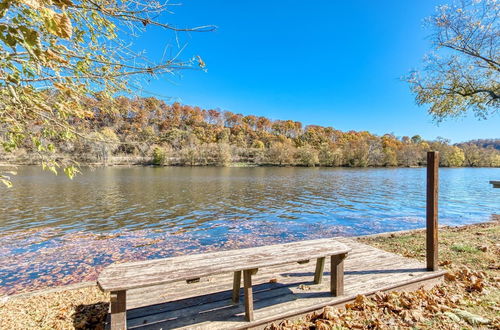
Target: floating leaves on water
46, 257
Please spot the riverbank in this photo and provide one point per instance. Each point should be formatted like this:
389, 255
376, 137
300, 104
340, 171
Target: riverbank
148, 161
469, 297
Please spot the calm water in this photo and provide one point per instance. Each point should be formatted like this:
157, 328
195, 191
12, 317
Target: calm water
134, 213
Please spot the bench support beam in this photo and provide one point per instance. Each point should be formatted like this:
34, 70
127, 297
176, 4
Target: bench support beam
320, 268
118, 310
236, 287
337, 274
247, 284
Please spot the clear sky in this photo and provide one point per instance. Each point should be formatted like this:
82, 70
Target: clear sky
326, 62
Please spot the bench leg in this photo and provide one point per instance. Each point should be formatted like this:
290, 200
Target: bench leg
247, 284
320, 268
236, 287
118, 310
337, 275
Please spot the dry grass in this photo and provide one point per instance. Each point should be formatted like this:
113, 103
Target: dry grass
83, 308
469, 298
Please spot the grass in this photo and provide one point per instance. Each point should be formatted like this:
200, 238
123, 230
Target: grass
469, 298
464, 248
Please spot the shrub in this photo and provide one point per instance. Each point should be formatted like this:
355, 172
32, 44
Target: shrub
307, 156
258, 144
158, 156
280, 154
328, 156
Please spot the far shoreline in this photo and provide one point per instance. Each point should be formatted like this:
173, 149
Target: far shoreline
230, 165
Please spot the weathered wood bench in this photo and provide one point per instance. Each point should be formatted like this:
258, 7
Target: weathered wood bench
118, 278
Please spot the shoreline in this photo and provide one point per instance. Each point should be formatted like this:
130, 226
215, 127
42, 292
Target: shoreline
494, 219
240, 165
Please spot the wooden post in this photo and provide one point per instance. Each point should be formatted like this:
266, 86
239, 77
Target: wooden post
320, 268
432, 209
236, 287
118, 310
337, 274
247, 285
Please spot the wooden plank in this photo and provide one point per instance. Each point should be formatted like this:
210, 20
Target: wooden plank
432, 210
118, 310
153, 272
236, 287
199, 304
337, 275
320, 268
232, 253
175, 311
329, 244
247, 284
496, 184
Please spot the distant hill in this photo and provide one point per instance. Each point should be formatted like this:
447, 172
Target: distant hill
483, 143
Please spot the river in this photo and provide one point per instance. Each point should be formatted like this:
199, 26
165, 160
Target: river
58, 231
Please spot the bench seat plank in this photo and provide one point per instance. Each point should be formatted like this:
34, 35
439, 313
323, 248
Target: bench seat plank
118, 277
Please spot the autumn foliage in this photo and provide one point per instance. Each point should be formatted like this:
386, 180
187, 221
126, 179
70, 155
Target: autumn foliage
148, 130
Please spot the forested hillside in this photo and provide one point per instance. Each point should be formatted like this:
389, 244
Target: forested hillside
484, 143
148, 130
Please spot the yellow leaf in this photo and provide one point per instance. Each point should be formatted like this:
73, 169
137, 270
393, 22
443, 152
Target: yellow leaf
31, 3
65, 29
6, 181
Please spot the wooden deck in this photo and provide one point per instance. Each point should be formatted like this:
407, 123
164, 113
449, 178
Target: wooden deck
279, 292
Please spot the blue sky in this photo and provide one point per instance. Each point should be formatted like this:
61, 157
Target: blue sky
325, 62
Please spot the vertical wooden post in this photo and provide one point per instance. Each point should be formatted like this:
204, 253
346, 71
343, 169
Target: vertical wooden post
247, 285
236, 287
320, 268
432, 209
337, 274
118, 310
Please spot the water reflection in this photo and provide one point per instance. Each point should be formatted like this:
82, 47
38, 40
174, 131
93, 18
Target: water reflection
199, 199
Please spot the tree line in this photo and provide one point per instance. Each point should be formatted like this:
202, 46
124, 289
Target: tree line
149, 130
484, 143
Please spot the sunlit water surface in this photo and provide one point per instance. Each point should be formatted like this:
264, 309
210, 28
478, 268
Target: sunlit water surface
56, 231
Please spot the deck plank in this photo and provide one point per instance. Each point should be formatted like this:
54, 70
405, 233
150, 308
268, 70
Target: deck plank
279, 291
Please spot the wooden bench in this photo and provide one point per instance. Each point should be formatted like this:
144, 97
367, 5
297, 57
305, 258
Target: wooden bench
496, 184
118, 278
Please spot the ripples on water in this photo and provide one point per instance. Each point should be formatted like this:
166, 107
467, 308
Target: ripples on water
174, 210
